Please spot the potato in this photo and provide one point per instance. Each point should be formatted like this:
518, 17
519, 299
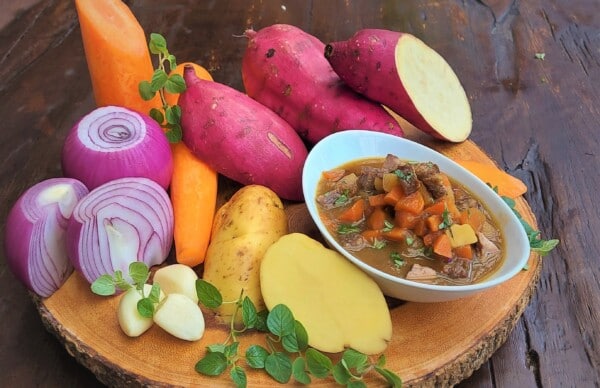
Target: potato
244, 227
401, 72
179, 316
130, 320
339, 305
177, 278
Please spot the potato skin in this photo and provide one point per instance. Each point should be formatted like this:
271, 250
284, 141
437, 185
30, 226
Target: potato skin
241, 138
243, 229
284, 69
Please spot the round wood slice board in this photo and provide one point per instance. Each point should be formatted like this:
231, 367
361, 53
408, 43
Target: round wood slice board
437, 344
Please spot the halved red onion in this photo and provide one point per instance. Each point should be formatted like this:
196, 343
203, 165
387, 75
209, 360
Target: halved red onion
113, 142
117, 223
34, 239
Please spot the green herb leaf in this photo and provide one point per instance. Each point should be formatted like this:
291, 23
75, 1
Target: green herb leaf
290, 343
354, 359
208, 294
175, 84
174, 134
212, 364
145, 307
299, 371
256, 356
104, 286
301, 335
356, 384
393, 379
154, 294
318, 364
120, 282
348, 229
172, 62
341, 374
173, 114
381, 361
230, 351
279, 366
238, 376
159, 80
157, 115
219, 348
249, 315
261, 321
379, 244
387, 226
139, 273
342, 199
158, 44
146, 92
280, 320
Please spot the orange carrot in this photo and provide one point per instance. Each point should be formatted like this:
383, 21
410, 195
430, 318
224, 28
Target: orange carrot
354, 213
405, 219
433, 222
193, 195
464, 251
116, 65
395, 234
420, 227
413, 203
437, 207
472, 216
371, 235
377, 218
442, 245
377, 200
507, 184
394, 195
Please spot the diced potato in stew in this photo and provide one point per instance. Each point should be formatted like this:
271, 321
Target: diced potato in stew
411, 220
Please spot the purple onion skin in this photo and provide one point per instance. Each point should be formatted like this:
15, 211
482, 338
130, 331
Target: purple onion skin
114, 142
34, 239
138, 208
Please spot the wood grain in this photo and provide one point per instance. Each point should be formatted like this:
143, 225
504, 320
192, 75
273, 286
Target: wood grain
433, 343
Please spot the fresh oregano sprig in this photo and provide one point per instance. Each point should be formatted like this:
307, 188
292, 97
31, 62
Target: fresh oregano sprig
169, 117
286, 355
139, 274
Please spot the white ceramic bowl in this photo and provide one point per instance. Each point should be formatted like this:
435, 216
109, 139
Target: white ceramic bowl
346, 146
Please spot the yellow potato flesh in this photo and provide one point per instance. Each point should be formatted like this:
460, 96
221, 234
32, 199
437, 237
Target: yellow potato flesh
338, 304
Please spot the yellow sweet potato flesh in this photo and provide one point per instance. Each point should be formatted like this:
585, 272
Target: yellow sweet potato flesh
338, 304
244, 227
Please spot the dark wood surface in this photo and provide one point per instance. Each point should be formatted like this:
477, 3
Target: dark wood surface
537, 118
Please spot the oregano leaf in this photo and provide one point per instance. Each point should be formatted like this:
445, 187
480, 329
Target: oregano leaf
145, 307
104, 286
356, 384
301, 336
154, 293
139, 273
173, 114
299, 371
145, 90
290, 343
393, 379
172, 61
249, 315
158, 44
159, 79
238, 376
279, 366
340, 373
354, 359
212, 364
219, 348
157, 115
261, 321
318, 364
280, 320
175, 84
230, 350
208, 294
256, 356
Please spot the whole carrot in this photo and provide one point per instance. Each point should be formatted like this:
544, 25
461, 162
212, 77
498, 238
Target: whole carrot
116, 53
193, 193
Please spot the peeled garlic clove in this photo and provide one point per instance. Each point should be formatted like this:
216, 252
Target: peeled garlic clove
130, 320
177, 278
179, 316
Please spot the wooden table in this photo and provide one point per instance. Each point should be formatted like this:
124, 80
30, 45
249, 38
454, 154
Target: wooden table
531, 70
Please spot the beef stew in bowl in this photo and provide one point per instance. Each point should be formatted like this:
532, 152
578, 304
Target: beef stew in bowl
347, 146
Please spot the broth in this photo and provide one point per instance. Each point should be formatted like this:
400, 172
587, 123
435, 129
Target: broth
410, 220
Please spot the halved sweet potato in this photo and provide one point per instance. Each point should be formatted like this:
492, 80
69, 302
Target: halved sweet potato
401, 72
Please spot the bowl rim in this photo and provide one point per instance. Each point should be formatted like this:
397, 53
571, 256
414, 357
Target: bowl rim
520, 243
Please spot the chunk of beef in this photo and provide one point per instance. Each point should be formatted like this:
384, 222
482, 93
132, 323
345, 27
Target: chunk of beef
366, 178
463, 200
458, 269
392, 162
420, 272
328, 200
354, 242
408, 178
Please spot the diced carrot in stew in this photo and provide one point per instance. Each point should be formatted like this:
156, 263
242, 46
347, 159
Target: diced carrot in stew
464, 251
420, 227
433, 222
395, 234
354, 212
472, 216
430, 237
377, 218
442, 246
438, 207
334, 175
405, 219
394, 195
371, 235
413, 203
377, 200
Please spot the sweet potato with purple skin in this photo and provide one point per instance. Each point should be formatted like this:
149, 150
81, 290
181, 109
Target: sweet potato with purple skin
400, 71
240, 138
284, 68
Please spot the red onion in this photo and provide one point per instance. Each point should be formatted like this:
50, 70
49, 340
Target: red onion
36, 231
121, 221
113, 142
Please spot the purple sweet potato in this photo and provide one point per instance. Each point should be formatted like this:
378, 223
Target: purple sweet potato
240, 138
284, 69
400, 71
